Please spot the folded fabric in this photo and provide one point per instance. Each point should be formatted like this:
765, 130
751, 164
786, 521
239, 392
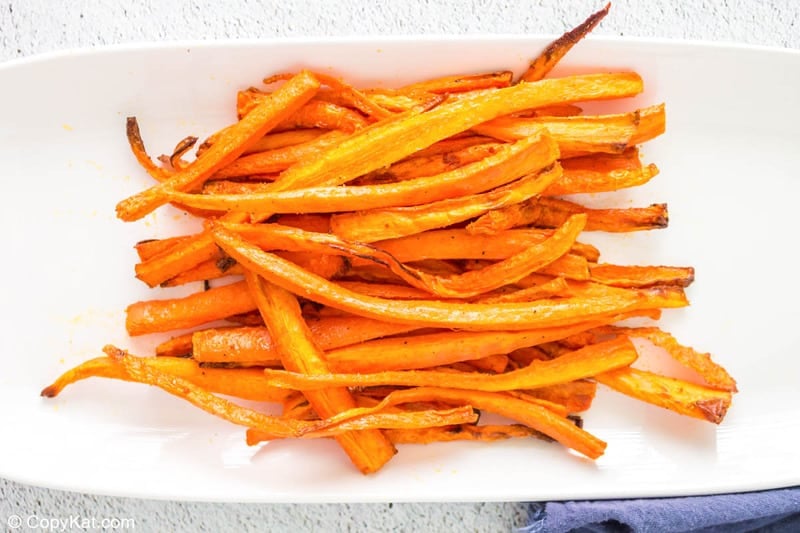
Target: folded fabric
775, 511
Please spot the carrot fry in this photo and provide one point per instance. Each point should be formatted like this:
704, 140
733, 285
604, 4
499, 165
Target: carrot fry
199, 308
279, 159
254, 344
676, 395
248, 384
380, 145
313, 114
263, 118
508, 163
149, 248
482, 433
458, 244
458, 84
600, 133
573, 182
712, 373
454, 145
583, 363
641, 276
548, 59
342, 92
550, 212
440, 348
368, 450
399, 102
375, 225
548, 289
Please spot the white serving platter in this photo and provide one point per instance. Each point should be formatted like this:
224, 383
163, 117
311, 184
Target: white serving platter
729, 172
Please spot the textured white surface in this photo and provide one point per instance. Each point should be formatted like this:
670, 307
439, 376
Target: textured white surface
35, 26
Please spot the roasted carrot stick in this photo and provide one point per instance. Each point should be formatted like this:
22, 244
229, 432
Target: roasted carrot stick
600, 133
549, 212
575, 396
592, 180
178, 346
254, 344
508, 163
381, 224
259, 121
279, 159
248, 384
482, 433
199, 308
459, 244
641, 276
137, 148
368, 450
342, 92
583, 363
440, 348
313, 114
464, 83
676, 395
542, 313
548, 59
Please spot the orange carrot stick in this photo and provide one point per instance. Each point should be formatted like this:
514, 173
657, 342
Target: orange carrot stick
267, 115
369, 450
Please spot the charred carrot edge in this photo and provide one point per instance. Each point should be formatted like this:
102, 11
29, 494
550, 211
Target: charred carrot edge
548, 59
368, 450
227, 148
482, 433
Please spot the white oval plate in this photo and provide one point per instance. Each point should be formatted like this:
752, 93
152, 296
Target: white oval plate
729, 166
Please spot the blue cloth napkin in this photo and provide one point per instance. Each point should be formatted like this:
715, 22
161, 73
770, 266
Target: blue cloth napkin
774, 511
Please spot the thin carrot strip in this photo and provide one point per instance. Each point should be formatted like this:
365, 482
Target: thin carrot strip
551, 212
574, 182
178, 346
441, 348
368, 450
583, 363
154, 316
459, 244
248, 384
461, 83
149, 248
279, 159
542, 313
641, 276
137, 148
676, 395
556, 50
508, 163
482, 433
227, 148
254, 344
584, 133
381, 224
